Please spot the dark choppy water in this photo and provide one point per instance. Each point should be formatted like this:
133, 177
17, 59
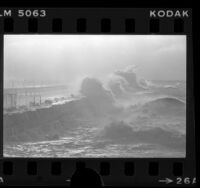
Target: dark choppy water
154, 126
83, 143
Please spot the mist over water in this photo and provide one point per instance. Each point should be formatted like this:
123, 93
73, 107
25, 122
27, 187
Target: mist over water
140, 122
120, 114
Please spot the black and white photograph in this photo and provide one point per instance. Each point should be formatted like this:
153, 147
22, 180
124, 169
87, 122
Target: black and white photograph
94, 96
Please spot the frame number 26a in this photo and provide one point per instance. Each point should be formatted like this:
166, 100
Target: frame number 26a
185, 180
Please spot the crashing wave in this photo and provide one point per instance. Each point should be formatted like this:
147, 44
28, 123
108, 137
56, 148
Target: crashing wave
165, 106
121, 132
129, 79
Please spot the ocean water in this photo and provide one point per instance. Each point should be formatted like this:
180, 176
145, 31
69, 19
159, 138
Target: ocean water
149, 122
84, 144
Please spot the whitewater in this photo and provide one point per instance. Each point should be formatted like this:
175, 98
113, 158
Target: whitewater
130, 122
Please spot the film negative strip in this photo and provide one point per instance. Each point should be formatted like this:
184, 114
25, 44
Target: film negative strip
97, 96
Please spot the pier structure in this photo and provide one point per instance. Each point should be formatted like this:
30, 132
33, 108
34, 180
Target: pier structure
14, 99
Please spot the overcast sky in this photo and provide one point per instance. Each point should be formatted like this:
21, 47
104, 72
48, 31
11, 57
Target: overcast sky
71, 57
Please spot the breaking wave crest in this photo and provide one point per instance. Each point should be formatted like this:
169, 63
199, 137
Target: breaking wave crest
121, 132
